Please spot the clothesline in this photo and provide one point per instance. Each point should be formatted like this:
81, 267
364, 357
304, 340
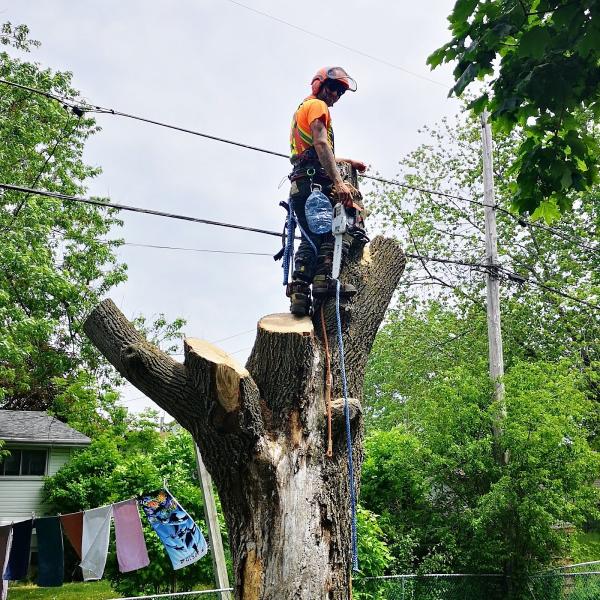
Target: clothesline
88, 532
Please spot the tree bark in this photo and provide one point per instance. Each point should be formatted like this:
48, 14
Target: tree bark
262, 430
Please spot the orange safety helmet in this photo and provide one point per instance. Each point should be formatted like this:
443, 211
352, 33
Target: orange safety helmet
336, 73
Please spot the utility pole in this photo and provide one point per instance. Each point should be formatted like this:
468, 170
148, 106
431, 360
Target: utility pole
214, 532
496, 357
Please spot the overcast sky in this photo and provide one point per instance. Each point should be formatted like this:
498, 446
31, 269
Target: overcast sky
217, 67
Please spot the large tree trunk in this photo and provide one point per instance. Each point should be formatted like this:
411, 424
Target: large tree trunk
262, 430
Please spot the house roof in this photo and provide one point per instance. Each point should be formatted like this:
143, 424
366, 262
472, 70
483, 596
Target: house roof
38, 427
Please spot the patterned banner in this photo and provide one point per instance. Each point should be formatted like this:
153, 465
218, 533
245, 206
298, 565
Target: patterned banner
182, 539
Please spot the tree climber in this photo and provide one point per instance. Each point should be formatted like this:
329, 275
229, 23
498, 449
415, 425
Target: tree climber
314, 163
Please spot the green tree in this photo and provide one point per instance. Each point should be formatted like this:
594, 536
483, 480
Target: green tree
538, 324
54, 261
444, 500
430, 471
543, 56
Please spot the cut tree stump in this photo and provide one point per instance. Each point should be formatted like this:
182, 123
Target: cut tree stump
262, 429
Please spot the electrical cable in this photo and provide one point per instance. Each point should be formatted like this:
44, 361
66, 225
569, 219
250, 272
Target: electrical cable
340, 45
230, 337
125, 207
420, 189
565, 236
35, 181
524, 280
73, 104
256, 230
136, 245
407, 254
81, 107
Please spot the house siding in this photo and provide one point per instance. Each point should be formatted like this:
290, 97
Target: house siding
22, 496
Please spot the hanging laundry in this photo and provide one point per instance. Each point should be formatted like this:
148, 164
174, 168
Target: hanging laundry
129, 535
182, 539
20, 550
72, 525
51, 566
94, 542
5, 542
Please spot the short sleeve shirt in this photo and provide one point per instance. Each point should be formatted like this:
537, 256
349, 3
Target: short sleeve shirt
301, 138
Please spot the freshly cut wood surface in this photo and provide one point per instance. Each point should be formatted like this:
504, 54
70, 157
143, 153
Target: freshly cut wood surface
286, 323
213, 354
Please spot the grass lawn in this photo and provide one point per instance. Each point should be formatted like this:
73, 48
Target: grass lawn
93, 590
587, 547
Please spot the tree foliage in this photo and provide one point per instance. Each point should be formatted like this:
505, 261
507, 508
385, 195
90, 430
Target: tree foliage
54, 262
433, 477
431, 473
538, 323
543, 58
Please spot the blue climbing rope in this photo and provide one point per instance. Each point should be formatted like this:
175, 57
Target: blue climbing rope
348, 432
288, 254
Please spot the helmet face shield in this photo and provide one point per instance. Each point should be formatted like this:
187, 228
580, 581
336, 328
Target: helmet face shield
338, 74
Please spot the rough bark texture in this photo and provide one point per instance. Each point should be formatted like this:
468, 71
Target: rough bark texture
262, 430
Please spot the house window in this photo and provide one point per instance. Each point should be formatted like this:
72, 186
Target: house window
24, 462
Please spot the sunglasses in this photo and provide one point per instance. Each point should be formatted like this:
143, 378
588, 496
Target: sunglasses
336, 86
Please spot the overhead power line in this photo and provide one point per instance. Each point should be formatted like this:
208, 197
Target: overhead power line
78, 107
510, 274
553, 230
137, 209
407, 254
515, 276
169, 215
422, 189
340, 45
197, 249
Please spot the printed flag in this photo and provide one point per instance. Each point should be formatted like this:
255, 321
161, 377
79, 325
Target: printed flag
181, 537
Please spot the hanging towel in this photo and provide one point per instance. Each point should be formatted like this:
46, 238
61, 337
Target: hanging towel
72, 526
131, 546
18, 559
6, 535
182, 539
94, 542
51, 564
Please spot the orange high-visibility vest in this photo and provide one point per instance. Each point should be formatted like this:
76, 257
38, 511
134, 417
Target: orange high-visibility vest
301, 138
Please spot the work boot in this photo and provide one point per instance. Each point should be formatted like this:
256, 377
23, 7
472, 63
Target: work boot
324, 286
298, 292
